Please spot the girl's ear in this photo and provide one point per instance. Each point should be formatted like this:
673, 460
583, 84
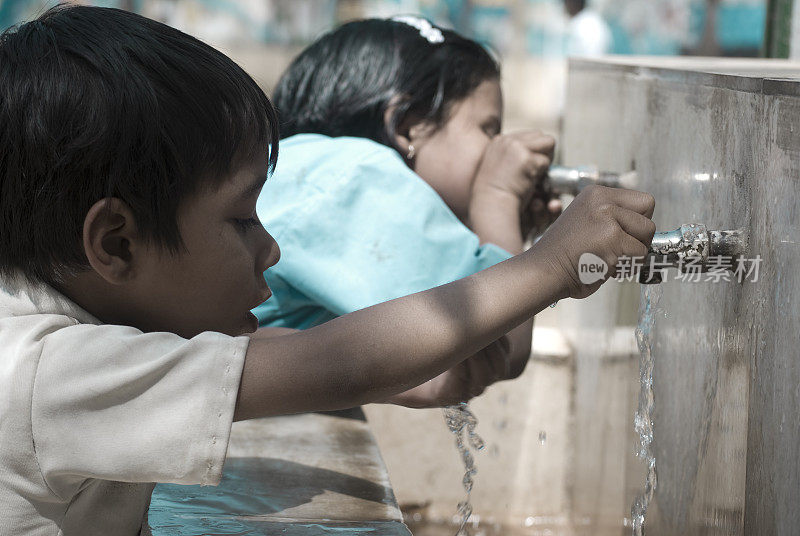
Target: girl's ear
110, 240
409, 135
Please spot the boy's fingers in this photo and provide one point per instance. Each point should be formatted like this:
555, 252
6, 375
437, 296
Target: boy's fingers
480, 369
638, 226
458, 385
497, 353
462, 372
481, 373
634, 200
632, 247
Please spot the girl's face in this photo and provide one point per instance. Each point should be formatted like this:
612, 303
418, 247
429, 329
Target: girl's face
448, 158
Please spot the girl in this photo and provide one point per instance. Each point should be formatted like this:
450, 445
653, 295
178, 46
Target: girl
394, 178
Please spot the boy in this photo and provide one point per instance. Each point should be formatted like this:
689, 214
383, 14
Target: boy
131, 158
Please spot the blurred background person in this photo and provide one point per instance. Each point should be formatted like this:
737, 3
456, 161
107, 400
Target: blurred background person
588, 34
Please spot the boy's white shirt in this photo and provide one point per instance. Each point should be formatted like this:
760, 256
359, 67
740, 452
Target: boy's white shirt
91, 415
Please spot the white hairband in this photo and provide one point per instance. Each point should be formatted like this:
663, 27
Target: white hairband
426, 29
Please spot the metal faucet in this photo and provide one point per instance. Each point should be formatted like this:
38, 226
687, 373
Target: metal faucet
571, 180
690, 248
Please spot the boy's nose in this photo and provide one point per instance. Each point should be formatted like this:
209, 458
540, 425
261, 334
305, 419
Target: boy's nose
271, 253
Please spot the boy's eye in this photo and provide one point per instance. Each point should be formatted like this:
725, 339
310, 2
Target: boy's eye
246, 224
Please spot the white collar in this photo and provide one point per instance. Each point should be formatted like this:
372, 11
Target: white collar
20, 298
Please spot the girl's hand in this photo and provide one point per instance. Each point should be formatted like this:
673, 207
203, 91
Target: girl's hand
513, 166
540, 213
508, 197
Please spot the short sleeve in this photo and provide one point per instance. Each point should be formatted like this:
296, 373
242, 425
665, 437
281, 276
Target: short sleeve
113, 403
357, 227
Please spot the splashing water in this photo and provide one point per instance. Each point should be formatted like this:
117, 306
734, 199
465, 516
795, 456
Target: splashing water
643, 420
459, 418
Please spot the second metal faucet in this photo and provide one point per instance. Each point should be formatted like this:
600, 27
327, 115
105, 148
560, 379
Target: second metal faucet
571, 180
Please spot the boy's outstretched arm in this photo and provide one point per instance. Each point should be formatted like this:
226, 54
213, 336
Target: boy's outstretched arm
376, 352
466, 380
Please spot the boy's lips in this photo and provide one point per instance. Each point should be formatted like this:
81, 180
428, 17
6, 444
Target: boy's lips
265, 294
252, 320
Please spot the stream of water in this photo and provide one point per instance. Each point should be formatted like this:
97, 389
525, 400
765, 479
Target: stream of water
643, 420
462, 422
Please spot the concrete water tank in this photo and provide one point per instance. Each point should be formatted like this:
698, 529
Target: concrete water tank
716, 142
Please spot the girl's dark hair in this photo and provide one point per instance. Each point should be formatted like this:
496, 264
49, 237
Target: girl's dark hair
98, 102
344, 82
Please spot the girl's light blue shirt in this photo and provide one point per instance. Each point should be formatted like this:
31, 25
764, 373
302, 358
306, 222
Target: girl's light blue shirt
356, 227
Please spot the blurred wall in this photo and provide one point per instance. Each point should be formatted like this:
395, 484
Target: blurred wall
532, 37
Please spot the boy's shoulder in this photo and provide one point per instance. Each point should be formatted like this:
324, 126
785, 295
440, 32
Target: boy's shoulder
97, 402
39, 324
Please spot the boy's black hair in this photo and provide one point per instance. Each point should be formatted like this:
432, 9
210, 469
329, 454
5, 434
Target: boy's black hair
98, 102
343, 83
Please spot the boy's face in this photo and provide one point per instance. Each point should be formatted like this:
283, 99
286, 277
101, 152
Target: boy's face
213, 284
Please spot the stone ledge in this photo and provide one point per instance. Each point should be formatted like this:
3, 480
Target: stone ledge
310, 474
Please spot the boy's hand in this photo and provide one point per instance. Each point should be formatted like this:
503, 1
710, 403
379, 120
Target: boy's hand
466, 380
608, 222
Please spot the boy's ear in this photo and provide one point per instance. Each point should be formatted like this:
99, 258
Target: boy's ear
109, 239
411, 132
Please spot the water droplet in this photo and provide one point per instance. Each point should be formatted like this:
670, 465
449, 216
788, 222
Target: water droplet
542, 437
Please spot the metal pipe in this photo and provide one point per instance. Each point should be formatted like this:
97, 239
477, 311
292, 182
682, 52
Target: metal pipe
690, 248
571, 180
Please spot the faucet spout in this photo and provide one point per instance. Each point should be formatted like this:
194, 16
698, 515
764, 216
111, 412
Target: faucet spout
571, 180
691, 248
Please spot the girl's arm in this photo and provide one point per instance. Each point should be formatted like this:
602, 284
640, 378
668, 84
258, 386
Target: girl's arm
495, 218
373, 353
509, 172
